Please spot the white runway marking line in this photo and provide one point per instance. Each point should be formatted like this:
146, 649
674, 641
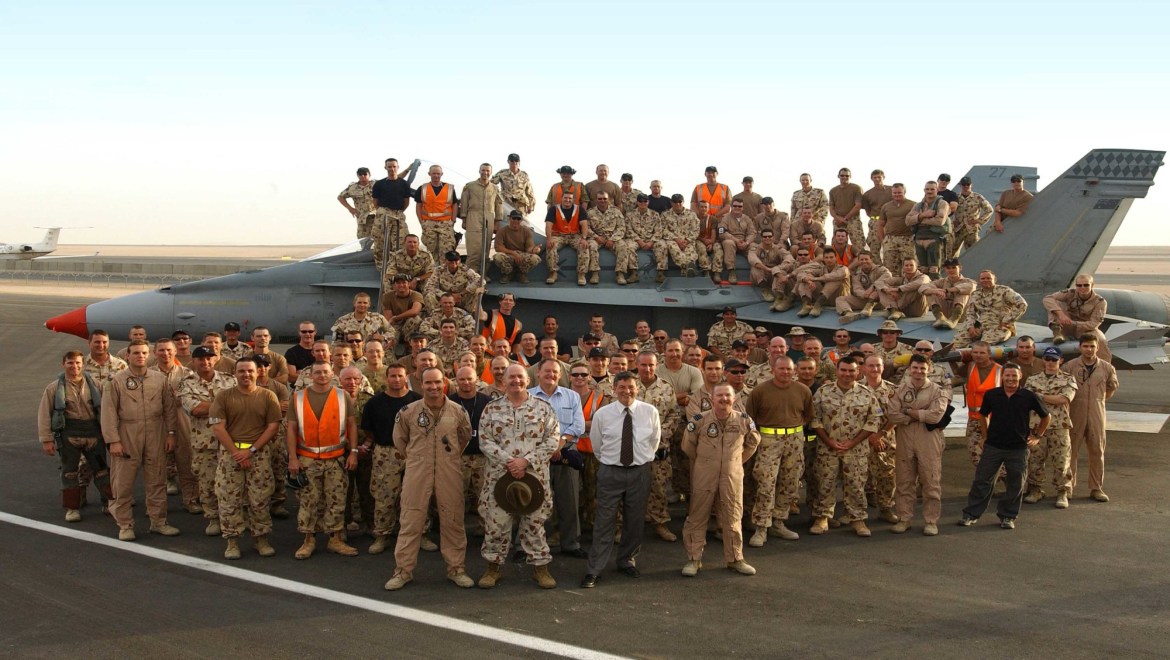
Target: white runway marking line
397, 611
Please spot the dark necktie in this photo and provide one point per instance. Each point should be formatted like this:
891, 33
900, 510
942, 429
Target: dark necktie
628, 439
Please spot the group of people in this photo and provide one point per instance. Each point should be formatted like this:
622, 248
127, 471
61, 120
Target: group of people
547, 438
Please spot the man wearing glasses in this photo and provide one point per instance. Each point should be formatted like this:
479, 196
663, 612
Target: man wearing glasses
1013, 203
939, 373
1076, 311
298, 357
737, 233
563, 476
813, 199
1050, 457
845, 202
972, 212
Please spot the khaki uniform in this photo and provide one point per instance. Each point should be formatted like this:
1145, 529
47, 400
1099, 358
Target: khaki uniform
732, 229
1049, 460
881, 462
610, 225
778, 223
718, 449
528, 431
433, 443
414, 267
238, 488
368, 326
999, 305
464, 325
388, 233
661, 395
898, 239
363, 200
1087, 412
842, 199
699, 402
826, 286
751, 202
780, 415
515, 189
842, 414
643, 227
972, 213
764, 263
1086, 316
85, 440
872, 202
863, 289
954, 302
480, 204
918, 458
464, 281
520, 240
719, 336
908, 299
814, 199
193, 390
139, 412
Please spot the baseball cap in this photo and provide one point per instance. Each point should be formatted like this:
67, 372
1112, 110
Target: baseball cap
513, 158
516, 214
1052, 352
965, 181
944, 177
202, 352
711, 168
231, 325
597, 352
452, 255
677, 198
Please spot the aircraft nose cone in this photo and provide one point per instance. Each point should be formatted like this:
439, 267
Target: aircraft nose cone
72, 323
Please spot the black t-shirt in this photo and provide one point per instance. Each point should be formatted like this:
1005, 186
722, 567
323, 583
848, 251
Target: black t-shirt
1008, 426
659, 204
392, 193
380, 412
474, 407
949, 195
299, 356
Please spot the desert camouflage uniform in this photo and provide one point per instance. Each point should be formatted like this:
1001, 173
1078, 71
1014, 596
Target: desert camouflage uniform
881, 463
1086, 316
610, 225
449, 354
955, 302
862, 287
323, 499
760, 373
888, 355
193, 390
389, 231
464, 281
464, 324
1050, 458
991, 307
103, 373
684, 226
643, 227
629, 201
779, 462
971, 214
386, 487
528, 431
438, 236
516, 189
363, 201
975, 438
279, 447
660, 394
719, 336
814, 199
401, 263
842, 415
245, 494
373, 323
779, 223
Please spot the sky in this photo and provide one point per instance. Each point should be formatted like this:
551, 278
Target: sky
237, 123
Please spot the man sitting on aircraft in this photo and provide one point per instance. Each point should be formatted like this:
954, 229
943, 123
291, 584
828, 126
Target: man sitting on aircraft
453, 277
777, 221
437, 209
820, 283
846, 252
516, 252
972, 213
992, 314
899, 295
737, 233
1013, 203
464, 322
784, 279
680, 238
805, 223
1077, 311
566, 225
401, 307
643, 232
607, 227
411, 261
864, 290
948, 296
360, 319
765, 260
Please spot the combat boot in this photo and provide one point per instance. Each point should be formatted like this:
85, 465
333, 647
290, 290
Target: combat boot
816, 308
661, 277
692, 568
620, 279
732, 278
522, 278
895, 314
690, 272
767, 294
581, 279
888, 515
461, 579
212, 528
307, 548
505, 278
780, 530
398, 581
849, 317
339, 546
634, 276
491, 577
72, 515
940, 319
901, 528
1034, 495
867, 311
552, 278
783, 303
860, 529
819, 526
742, 567
759, 538
378, 546
233, 549
544, 580
595, 278
1057, 334
263, 547
805, 308
278, 511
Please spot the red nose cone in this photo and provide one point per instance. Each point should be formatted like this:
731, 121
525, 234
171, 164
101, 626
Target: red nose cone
72, 323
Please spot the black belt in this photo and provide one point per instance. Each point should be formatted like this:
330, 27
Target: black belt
626, 467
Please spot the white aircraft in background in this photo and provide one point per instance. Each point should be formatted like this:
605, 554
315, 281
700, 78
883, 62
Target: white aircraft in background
31, 250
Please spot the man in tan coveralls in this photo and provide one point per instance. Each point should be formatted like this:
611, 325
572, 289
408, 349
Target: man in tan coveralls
1096, 384
138, 422
481, 210
913, 404
432, 434
718, 443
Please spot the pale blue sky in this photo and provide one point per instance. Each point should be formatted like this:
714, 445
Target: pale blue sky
234, 122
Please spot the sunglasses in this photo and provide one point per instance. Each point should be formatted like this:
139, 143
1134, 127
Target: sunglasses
578, 375
629, 350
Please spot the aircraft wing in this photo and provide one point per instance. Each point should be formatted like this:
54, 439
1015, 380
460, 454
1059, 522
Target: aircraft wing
365, 285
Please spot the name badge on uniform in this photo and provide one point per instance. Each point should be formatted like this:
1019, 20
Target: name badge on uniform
713, 429
424, 420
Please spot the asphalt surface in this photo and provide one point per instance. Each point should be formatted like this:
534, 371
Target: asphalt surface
1086, 582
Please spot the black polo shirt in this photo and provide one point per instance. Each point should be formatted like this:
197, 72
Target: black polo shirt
299, 356
1008, 426
380, 412
392, 193
474, 407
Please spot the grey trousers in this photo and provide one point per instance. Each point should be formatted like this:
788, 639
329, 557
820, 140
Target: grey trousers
629, 487
566, 494
1015, 462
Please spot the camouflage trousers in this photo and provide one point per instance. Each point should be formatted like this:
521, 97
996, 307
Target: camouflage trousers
473, 467
810, 469
386, 487
974, 439
553, 245
402, 331
853, 468
881, 475
365, 225
966, 236
323, 497
631, 261
279, 467
992, 333
237, 488
204, 462
587, 510
853, 226
872, 242
389, 226
358, 494
1049, 461
657, 511
894, 250
507, 265
497, 523
619, 256
438, 237
779, 464
713, 257
684, 258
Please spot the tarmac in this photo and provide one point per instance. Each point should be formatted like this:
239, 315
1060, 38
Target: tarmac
1086, 582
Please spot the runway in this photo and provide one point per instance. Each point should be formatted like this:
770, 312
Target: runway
1087, 582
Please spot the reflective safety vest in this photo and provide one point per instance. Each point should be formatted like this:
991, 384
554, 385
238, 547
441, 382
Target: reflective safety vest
325, 437
714, 199
486, 374
570, 225
559, 190
974, 389
438, 207
495, 329
588, 405
844, 256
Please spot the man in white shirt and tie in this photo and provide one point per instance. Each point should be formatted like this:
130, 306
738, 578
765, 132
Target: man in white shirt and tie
625, 435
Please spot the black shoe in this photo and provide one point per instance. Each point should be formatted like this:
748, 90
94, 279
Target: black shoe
967, 521
589, 581
579, 553
630, 571
1007, 523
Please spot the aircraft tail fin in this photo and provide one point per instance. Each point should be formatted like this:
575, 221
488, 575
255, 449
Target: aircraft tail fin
1069, 225
50, 242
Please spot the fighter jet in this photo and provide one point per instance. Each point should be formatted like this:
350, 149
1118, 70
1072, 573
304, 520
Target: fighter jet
31, 250
1066, 231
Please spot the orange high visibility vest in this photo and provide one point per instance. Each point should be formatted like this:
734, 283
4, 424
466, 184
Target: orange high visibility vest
558, 191
495, 329
714, 199
592, 401
570, 225
325, 437
486, 375
438, 207
844, 257
974, 389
